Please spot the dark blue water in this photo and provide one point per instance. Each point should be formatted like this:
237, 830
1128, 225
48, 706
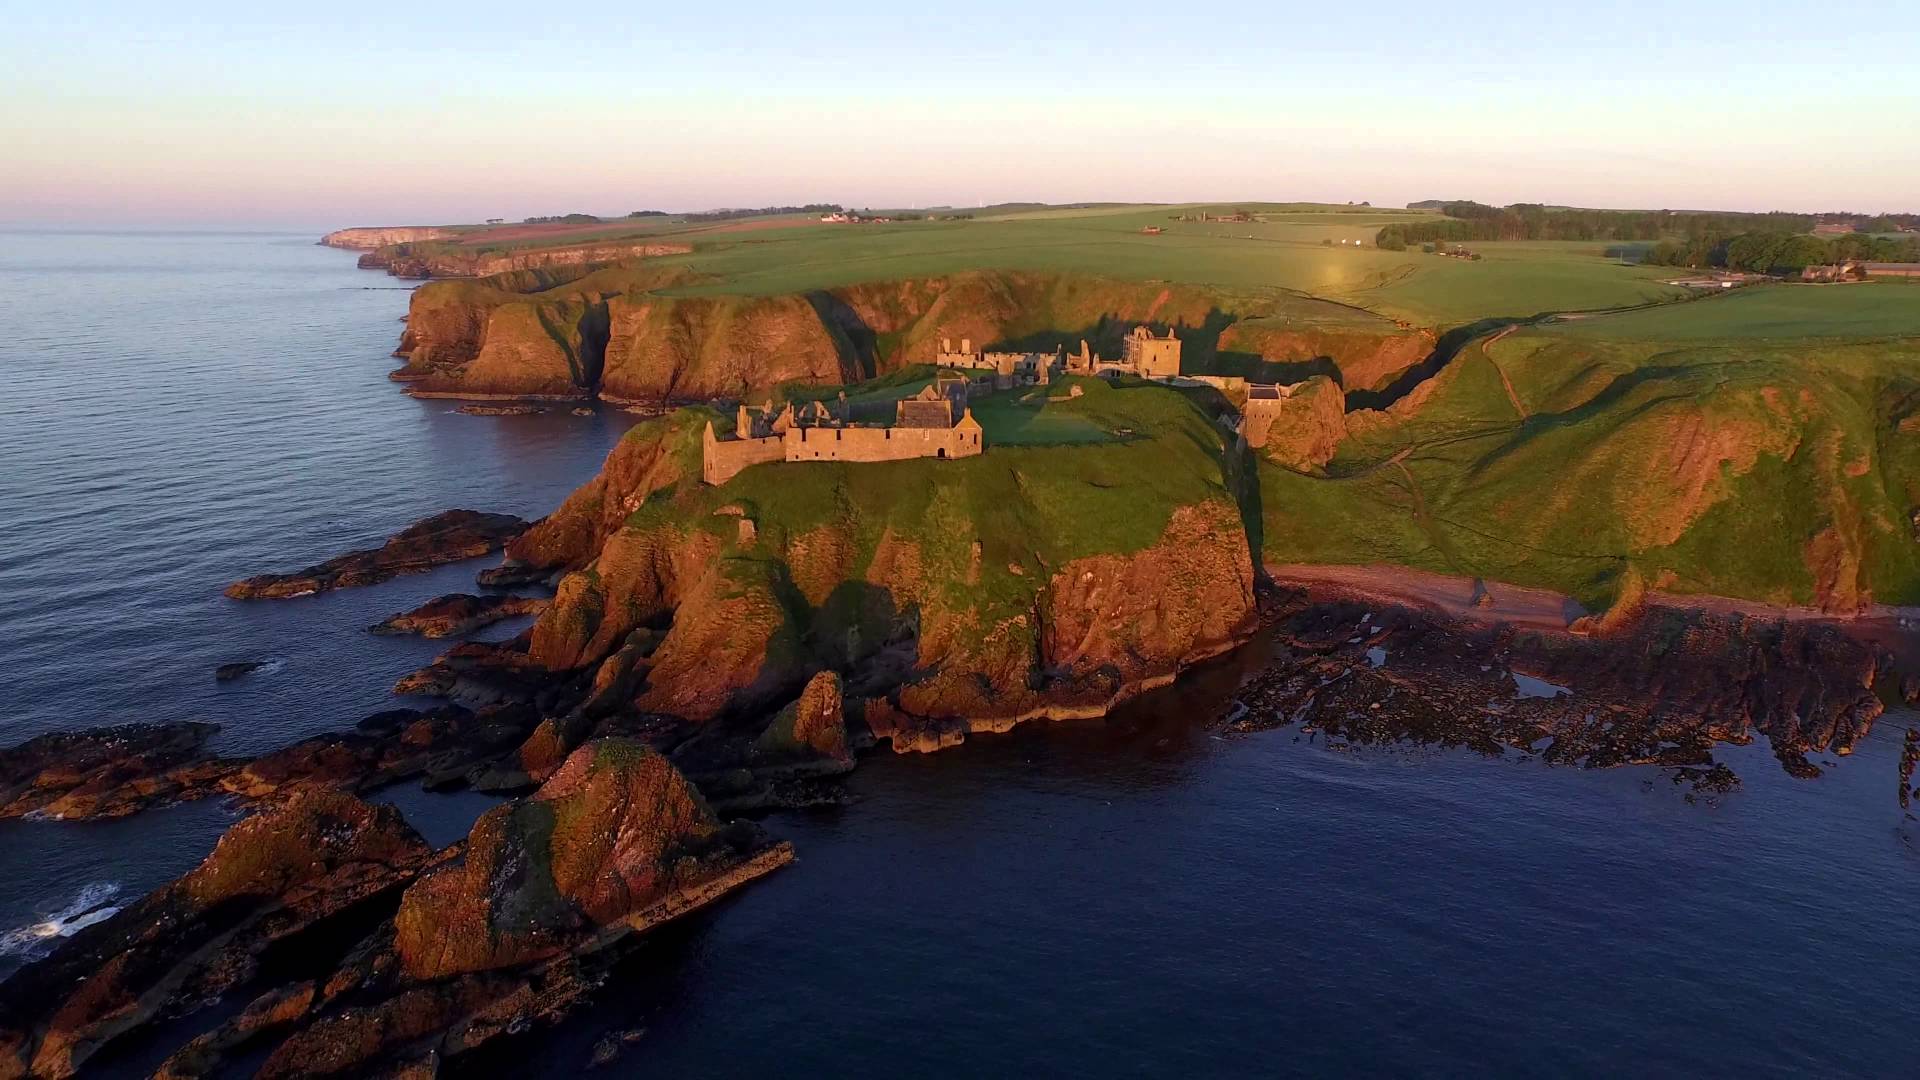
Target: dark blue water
1135, 896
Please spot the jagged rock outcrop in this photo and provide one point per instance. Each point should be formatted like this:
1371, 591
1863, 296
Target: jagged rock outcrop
512, 927
612, 833
107, 772
449, 536
458, 614
271, 878
810, 732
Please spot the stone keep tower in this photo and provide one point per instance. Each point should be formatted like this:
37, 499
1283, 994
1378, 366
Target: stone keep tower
1152, 357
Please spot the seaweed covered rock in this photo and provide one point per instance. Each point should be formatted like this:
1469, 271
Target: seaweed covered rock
270, 879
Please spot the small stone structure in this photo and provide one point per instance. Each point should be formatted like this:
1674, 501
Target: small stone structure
924, 427
1265, 403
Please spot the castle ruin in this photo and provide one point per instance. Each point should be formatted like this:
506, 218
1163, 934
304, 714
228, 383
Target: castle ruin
1010, 369
1151, 357
924, 426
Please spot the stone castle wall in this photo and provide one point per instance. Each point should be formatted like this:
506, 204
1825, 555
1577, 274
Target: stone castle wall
722, 460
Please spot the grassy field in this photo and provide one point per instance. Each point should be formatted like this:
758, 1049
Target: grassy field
1283, 251
1858, 311
1418, 289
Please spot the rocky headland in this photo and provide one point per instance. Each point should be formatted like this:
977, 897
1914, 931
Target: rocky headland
368, 238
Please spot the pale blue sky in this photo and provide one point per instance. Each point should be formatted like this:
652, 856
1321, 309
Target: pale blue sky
352, 113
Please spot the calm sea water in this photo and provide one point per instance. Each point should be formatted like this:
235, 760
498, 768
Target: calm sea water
1135, 896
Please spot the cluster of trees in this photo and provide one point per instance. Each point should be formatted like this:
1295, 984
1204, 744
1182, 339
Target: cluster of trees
647, 213
763, 211
1532, 221
1778, 252
561, 219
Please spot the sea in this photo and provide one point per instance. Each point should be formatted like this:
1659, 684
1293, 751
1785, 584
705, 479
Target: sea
1140, 896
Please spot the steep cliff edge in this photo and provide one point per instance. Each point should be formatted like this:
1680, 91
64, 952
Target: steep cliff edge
429, 257
368, 238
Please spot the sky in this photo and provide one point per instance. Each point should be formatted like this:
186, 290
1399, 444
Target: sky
418, 112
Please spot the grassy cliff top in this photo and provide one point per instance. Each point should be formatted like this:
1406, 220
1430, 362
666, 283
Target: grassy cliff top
1130, 457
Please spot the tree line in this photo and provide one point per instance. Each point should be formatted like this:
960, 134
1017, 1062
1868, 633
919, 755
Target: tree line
763, 211
1775, 252
1532, 221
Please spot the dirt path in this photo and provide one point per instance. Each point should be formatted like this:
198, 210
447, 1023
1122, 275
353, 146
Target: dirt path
1486, 350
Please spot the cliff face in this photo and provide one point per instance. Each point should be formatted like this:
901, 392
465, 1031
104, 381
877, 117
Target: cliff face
421, 259
568, 330
696, 348
367, 239
652, 456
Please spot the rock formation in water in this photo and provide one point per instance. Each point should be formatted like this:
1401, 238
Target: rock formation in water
1660, 688
107, 772
449, 536
512, 927
458, 614
272, 880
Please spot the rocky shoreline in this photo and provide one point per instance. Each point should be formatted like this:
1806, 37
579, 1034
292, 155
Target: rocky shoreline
619, 820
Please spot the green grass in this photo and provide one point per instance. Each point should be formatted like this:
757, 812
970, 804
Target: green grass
1031, 508
1858, 311
1283, 252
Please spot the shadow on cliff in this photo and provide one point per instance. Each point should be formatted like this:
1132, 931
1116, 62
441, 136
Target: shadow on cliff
588, 360
853, 339
1444, 350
